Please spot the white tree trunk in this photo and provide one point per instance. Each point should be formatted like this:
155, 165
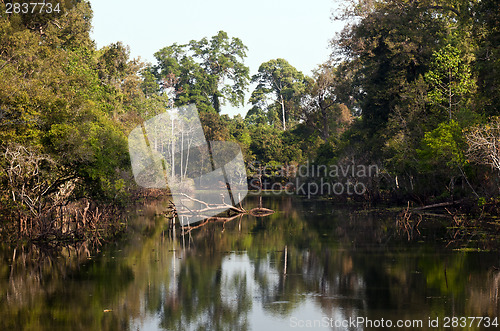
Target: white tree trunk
283, 111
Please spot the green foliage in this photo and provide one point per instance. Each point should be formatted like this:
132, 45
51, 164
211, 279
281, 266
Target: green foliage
149, 84
214, 127
154, 105
113, 63
240, 133
444, 145
63, 101
487, 54
256, 116
450, 79
389, 47
319, 105
282, 85
406, 128
411, 67
266, 143
205, 72
325, 153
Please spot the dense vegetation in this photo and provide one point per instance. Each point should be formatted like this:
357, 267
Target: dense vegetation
411, 86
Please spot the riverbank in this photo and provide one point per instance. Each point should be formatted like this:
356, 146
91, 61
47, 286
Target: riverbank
77, 221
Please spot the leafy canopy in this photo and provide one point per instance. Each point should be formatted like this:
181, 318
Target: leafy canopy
208, 72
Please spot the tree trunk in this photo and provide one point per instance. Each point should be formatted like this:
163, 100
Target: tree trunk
187, 158
173, 149
449, 93
326, 127
182, 151
283, 111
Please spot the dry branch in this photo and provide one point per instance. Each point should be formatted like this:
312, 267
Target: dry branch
484, 144
174, 212
436, 205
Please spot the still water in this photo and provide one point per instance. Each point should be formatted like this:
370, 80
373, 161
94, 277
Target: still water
311, 265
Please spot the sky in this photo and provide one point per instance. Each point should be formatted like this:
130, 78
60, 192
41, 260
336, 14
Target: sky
297, 31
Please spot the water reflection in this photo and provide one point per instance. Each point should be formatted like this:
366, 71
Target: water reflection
307, 262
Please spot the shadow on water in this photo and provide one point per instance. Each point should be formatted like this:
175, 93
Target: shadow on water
310, 261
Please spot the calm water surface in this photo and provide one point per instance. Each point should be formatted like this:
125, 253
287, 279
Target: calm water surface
311, 265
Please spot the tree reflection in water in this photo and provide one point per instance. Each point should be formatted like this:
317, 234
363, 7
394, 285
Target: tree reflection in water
307, 261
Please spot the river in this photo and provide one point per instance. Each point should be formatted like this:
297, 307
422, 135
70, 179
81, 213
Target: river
312, 264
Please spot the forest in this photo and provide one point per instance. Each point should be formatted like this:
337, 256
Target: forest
411, 87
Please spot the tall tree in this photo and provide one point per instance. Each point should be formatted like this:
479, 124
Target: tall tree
388, 47
319, 104
284, 82
450, 79
121, 77
208, 72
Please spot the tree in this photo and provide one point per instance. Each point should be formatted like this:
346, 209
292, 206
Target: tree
239, 132
483, 143
450, 79
445, 144
320, 108
406, 128
112, 64
387, 47
285, 83
487, 63
214, 127
57, 94
121, 77
206, 71
149, 83
442, 156
256, 116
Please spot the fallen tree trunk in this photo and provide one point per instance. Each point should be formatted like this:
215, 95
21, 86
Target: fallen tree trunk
436, 205
186, 211
210, 207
